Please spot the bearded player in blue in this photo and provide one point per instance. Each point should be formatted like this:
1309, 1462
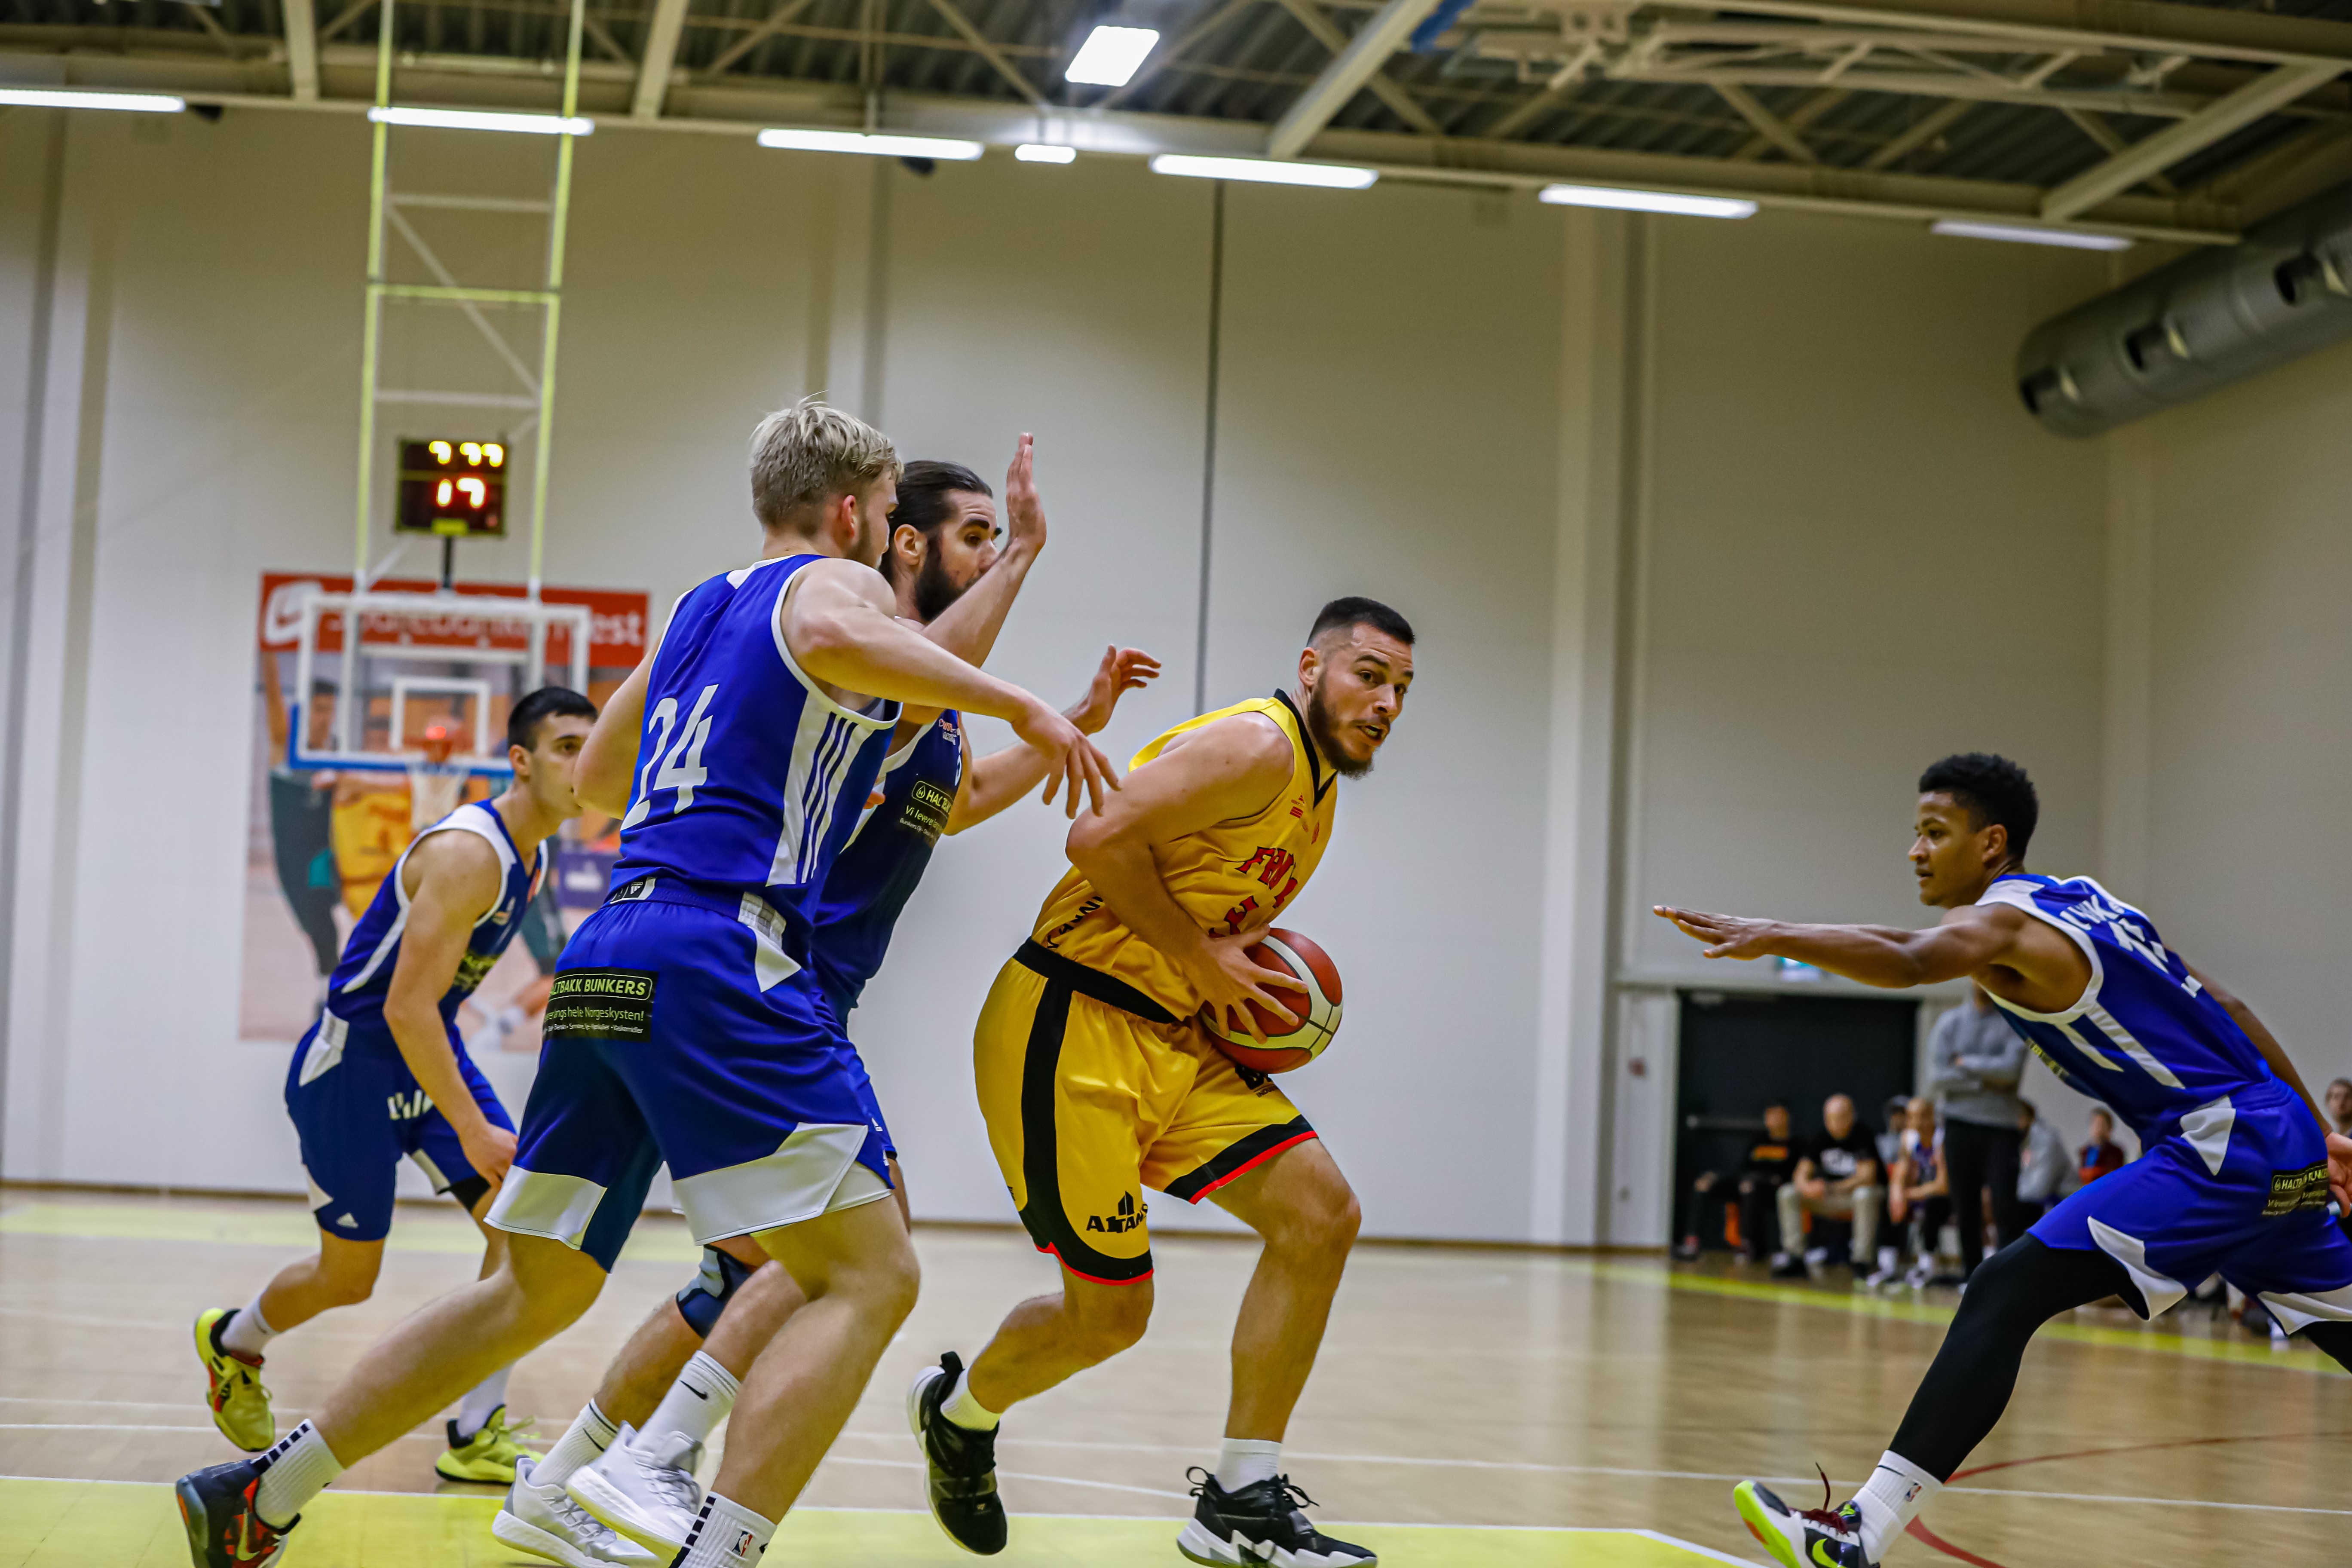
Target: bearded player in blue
2237, 1167
622, 1476
685, 1027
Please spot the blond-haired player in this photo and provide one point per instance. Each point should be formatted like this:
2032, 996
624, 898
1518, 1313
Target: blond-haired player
1097, 1082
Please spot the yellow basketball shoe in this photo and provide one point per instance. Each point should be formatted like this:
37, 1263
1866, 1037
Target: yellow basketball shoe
240, 1405
490, 1455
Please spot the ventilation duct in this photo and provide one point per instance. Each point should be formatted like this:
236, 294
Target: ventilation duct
2201, 323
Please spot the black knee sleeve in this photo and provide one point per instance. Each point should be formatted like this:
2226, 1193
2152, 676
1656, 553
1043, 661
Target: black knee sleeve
701, 1301
2016, 1290
470, 1191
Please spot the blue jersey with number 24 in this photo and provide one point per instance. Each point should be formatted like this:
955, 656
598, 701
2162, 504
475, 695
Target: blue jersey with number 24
749, 776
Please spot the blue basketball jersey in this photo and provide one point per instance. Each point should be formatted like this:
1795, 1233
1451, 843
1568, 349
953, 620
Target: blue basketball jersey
886, 857
2145, 1037
355, 992
744, 764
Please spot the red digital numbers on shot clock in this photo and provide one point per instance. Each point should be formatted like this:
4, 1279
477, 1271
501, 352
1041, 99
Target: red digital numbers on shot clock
453, 488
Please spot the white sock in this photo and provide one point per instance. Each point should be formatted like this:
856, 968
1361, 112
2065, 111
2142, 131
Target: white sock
1245, 1461
247, 1331
728, 1535
295, 1470
482, 1401
1890, 1499
965, 1411
590, 1434
696, 1404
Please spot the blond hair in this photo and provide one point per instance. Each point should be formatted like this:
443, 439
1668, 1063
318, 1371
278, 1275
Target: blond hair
804, 455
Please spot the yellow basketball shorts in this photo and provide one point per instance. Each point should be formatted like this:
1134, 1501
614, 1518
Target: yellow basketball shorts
1092, 1092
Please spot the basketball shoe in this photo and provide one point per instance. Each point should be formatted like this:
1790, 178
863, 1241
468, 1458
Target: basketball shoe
224, 1530
240, 1405
490, 1455
1263, 1522
649, 1495
544, 1522
962, 1463
1801, 1538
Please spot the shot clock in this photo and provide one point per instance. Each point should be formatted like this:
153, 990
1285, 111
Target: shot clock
454, 489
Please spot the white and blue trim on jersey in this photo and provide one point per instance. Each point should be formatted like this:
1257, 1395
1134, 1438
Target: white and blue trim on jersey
2145, 1036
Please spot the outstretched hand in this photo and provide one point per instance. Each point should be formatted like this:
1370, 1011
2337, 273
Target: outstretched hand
1073, 764
1123, 669
1024, 514
1726, 936
2339, 1169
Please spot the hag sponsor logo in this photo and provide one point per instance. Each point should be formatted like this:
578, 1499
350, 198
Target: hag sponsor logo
925, 815
2295, 1191
472, 968
600, 1004
1129, 1218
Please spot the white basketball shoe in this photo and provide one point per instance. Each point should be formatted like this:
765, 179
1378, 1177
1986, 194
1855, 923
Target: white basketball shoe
649, 1495
544, 1522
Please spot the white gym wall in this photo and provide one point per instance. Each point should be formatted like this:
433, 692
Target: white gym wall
1714, 534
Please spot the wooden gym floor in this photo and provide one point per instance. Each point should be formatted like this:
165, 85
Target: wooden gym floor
1485, 1409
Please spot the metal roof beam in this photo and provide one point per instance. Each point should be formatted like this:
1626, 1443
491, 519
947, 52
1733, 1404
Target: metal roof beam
2157, 26
661, 53
2154, 154
1919, 135
1356, 65
1769, 125
302, 48
987, 50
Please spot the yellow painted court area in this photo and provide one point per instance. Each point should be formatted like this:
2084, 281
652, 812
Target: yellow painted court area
73, 1524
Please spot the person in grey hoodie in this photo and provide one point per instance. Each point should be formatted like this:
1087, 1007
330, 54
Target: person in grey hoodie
1975, 1060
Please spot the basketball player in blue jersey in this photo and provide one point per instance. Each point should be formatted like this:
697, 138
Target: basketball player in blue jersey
685, 1027
383, 1074
629, 1457
2238, 1163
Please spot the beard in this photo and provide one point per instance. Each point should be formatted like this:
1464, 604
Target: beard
934, 589
1325, 728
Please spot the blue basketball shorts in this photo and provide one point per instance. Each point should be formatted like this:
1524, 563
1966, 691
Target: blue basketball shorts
358, 1110
681, 1032
2237, 1187
837, 1009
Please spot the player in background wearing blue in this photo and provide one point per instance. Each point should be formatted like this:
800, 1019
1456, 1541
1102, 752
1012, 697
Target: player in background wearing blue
2238, 1167
630, 1454
383, 1074
685, 1027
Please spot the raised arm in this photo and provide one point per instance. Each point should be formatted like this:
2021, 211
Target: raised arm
840, 625
967, 628
1229, 769
457, 882
995, 781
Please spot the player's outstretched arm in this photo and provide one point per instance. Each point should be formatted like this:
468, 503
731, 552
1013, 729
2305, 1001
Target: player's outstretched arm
1232, 768
995, 781
840, 625
967, 628
1969, 938
608, 758
457, 883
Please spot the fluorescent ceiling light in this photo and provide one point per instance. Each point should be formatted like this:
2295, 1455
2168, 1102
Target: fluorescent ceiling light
483, 120
801, 140
66, 97
1110, 56
2018, 233
1335, 177
1646, 201
1039, 152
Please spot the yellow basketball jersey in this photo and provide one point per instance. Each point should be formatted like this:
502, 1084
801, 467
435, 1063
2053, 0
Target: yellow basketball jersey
1229, 877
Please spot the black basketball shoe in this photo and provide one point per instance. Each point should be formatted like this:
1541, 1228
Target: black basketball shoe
961, 1461
1260, 1523
1802, 1538
225, 1530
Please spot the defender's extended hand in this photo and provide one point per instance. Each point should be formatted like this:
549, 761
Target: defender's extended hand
1236, 979
2339, 1169
1072, 761
1726, 936
1124, 669
1024, 514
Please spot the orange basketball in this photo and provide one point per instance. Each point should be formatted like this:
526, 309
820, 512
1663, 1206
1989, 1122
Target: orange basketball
1287, 1045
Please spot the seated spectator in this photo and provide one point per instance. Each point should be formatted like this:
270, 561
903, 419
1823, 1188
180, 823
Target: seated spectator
1918, 1193
2043, 1164
1836, 1178
1897, 1119
2339, 1105
1770, 1160
2102, 1156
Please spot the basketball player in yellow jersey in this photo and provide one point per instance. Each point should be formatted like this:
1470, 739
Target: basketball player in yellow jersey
1097, 1082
